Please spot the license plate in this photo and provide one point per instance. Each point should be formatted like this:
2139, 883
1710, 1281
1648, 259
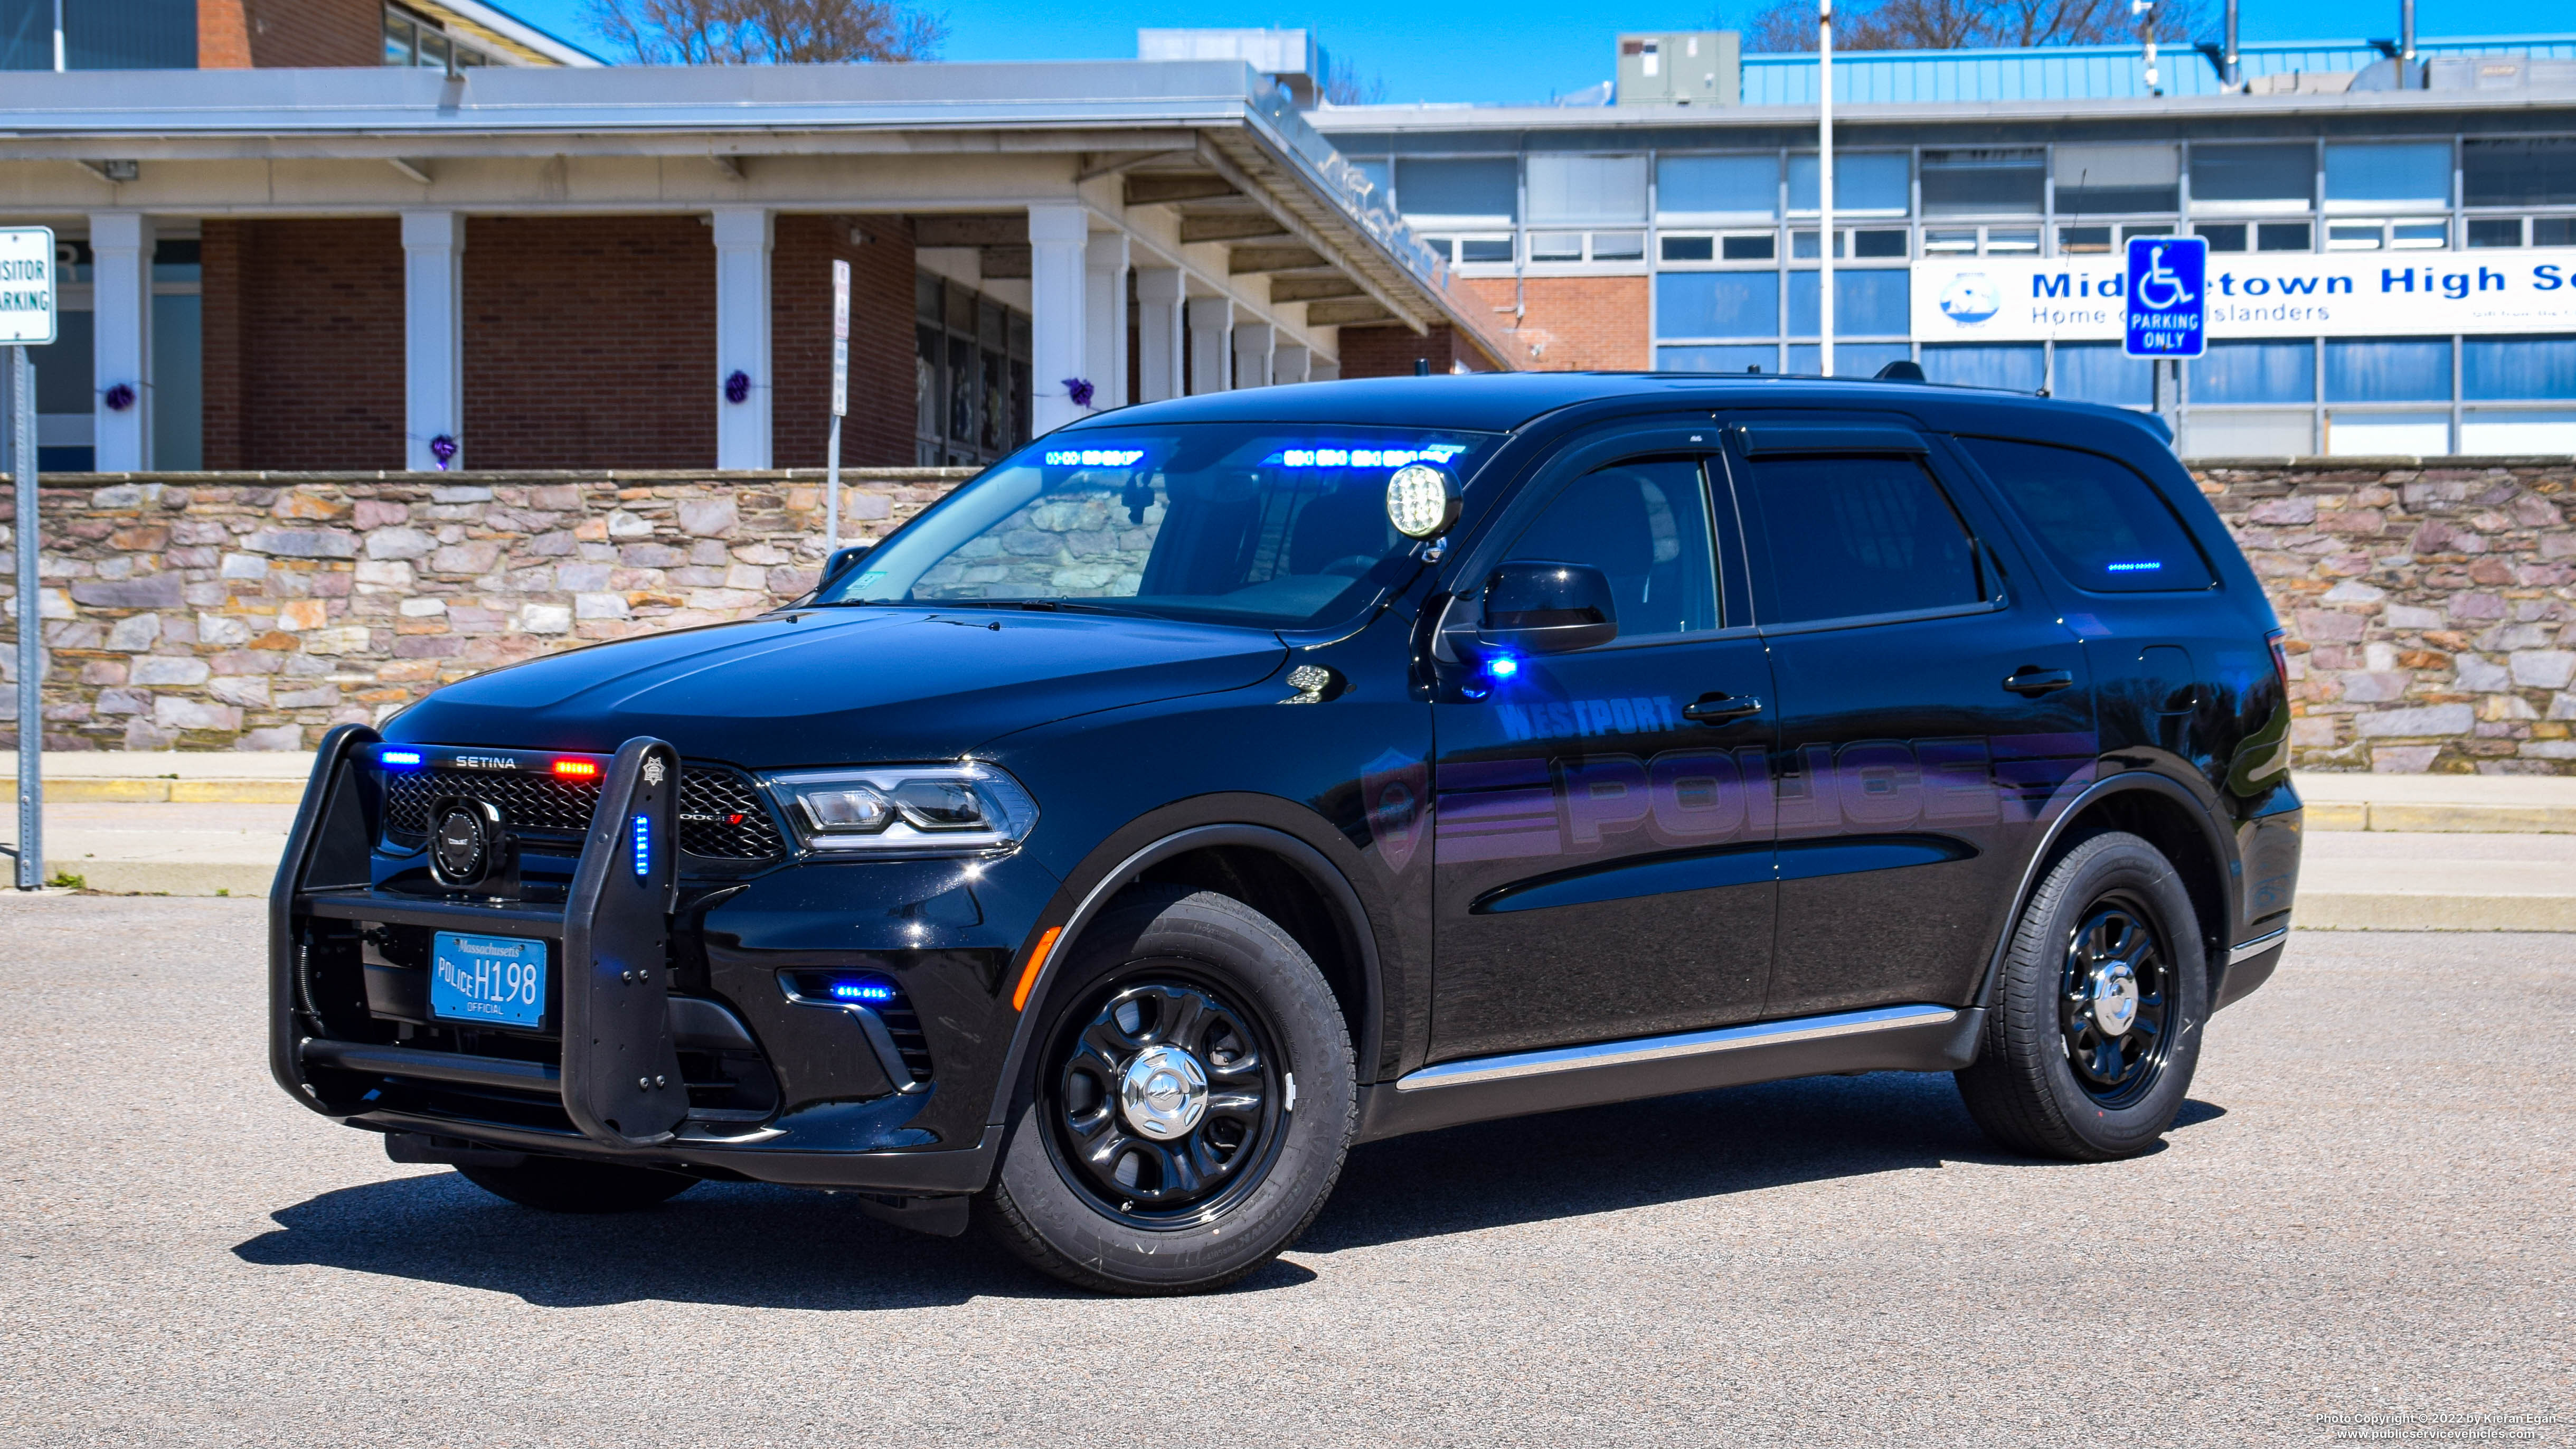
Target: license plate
493, 980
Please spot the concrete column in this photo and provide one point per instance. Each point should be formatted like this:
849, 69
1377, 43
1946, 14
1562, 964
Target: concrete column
1158, 333
1324, 369
433, 336
742, 236
1289, 363
1104, 309
1058, 234
1211, 344
1252, 353
120, 246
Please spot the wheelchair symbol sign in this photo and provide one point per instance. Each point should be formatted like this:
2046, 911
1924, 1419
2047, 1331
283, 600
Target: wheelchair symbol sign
2168, 296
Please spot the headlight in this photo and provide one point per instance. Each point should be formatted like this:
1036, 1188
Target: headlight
908, 809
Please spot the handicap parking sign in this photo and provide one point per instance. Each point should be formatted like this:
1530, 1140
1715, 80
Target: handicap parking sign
2168, 299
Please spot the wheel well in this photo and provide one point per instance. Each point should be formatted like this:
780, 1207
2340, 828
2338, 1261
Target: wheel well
2168, 826
1286, 894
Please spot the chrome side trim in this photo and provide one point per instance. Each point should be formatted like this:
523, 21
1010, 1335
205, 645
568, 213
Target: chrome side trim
2238, 955
1597, 1055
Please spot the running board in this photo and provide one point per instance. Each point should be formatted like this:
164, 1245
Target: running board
1881, 1039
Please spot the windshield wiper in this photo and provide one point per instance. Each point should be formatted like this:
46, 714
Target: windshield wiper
1035, 606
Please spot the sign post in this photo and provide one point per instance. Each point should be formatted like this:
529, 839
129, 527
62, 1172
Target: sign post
2167, 297
27, 320
840, 407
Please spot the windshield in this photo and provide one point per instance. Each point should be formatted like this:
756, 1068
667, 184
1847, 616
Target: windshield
1240, 523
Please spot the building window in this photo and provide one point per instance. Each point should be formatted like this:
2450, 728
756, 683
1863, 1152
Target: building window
1483, 190
1718, 186
2099, 180
2388, 175
1762, 358
2508, 368
2275, 177
2256, 372
2521, 171
1984, 183
1717, 304
2101, 372
2263, 236
1587, 190
2409, 369
416, 40
1865, 184
2019, 367
1871, 303
970, 375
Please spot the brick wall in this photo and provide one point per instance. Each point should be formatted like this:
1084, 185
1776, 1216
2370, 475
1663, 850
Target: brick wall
1572, 324
590, 342
223, 35
2432, 606
1391, 351
878, 430
243, 611
304, 343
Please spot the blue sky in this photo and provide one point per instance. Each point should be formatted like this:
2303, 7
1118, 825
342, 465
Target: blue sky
1510, 50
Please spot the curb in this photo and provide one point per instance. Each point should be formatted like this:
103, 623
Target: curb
110, 789
170, 877
2374, 911
2442, 819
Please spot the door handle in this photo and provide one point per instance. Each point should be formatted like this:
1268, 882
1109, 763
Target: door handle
1721, 709
2035, 681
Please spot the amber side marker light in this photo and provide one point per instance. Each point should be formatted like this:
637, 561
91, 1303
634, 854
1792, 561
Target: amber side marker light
1037, 963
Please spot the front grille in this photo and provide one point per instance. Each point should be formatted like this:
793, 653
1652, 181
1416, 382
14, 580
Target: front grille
904, 1025
721, 817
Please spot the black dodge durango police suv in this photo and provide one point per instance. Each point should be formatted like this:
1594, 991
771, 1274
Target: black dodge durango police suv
1214, 784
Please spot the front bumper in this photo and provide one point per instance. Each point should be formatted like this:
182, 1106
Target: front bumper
668, 1040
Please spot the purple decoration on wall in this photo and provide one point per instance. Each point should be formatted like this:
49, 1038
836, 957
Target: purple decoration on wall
1079, 390
443, 448
737, 386
120, 397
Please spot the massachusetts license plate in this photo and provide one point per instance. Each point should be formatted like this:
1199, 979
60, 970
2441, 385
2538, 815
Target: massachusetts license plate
494, 980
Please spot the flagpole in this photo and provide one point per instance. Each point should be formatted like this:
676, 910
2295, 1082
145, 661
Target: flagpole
1825, 183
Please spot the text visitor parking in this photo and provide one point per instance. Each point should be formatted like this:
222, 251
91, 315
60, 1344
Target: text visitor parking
2302, 294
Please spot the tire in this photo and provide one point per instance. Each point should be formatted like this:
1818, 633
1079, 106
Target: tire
2052, 1077
565, 1185
1136, 1194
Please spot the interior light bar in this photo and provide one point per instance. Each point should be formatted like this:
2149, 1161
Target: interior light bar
1095, 458
1367, 457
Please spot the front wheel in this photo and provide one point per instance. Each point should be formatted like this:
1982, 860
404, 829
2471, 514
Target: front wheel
1186, 1104
2095, 1027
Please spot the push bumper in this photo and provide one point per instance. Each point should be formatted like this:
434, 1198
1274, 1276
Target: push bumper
614, 1089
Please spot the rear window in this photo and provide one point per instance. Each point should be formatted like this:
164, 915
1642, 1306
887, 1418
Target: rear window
2103, 524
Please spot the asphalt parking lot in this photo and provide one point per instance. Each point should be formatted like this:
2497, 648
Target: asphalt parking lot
2365, 1209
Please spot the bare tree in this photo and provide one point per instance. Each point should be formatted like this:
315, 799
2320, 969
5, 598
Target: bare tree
1345, 86
1790, 25
766, 32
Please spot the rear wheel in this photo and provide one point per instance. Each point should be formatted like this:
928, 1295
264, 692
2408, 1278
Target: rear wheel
1185, 1106
564, 1185
2095, 1027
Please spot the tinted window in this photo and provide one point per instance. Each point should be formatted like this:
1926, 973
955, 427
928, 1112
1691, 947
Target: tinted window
1645, 526
2104, 525
1853, 536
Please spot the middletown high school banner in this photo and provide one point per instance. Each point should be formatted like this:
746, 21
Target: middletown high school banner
2280, 294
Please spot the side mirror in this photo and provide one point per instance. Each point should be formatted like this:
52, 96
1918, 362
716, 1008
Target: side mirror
1533, 607
842, 561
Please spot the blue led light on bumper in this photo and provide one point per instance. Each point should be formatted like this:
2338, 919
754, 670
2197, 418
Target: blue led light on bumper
643, 832
868, 991
397, 759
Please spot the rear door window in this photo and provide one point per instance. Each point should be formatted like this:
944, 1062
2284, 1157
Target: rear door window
1852, 536
2101, 523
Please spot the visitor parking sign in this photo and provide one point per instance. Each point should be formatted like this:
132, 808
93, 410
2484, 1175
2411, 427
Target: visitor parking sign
26, 286
2168, 297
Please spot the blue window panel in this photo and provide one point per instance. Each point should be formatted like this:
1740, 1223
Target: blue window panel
1717, 304
2505, 368
2021, 367
1869, 303
1729, 185
178, 382
1851, 359
2382, 173
2099, 372
2256, 372
2389, 370
1875, 183
1488, 187
1765, 356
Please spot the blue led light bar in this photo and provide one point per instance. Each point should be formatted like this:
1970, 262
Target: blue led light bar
1095, 458
390, 758
862, 991
643, 845
1366, 457
2146, 566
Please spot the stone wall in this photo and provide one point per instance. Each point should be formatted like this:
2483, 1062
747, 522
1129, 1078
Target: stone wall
254, 611
2431, 603
2428, 603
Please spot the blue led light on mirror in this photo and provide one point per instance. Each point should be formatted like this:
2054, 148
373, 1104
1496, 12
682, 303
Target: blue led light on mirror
1095, 457
1502, 666
643, 832
394, 758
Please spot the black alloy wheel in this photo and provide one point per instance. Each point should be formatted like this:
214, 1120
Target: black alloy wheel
1166, 1099
2093, 1028
2116, 995
1186, 1098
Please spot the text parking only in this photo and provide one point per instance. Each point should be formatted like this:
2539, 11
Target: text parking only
2168, 302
